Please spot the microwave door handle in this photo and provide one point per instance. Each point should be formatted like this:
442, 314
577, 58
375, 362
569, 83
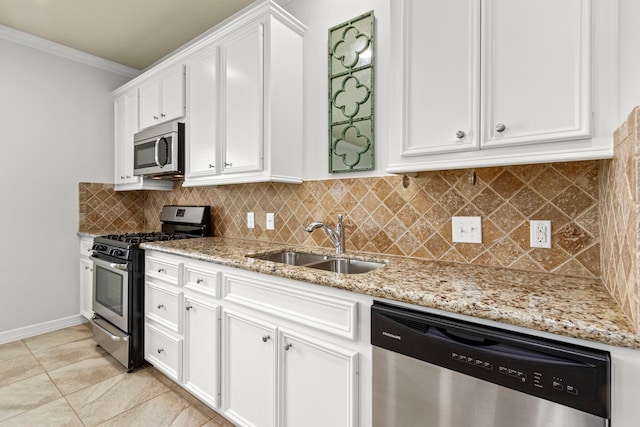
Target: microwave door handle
157, 159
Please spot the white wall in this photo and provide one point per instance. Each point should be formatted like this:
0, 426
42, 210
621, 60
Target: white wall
319, 16
56, 117
629, 59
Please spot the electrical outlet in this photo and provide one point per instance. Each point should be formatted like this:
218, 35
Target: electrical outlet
271, 223
540, 234
251, 221
466, 229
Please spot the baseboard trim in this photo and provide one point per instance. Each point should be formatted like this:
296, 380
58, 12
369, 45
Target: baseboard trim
41, 328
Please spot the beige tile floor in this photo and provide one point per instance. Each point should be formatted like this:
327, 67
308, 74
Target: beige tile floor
62, 379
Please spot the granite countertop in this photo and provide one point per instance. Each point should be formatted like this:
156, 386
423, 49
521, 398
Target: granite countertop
570, 306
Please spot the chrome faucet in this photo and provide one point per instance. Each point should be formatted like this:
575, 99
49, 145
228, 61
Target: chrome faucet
336, 236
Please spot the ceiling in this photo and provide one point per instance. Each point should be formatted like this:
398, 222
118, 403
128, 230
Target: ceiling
135, 33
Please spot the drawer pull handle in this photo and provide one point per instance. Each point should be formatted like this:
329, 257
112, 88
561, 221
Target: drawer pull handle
189, 307
199, 281
266, 338
160, 350
160, 306
288, 346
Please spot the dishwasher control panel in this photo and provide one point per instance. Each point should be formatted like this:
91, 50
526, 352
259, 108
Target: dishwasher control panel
574, 376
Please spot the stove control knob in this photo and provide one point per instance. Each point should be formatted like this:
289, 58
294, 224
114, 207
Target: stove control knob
116, 252
99, 248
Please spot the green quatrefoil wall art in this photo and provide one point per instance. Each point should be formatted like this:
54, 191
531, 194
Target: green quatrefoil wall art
351, 125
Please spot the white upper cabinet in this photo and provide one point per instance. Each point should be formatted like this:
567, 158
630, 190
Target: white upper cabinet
244, 100
536, 64
441, 84
202, 132
499, 82
125, 105
242, 112
126, 125
162, 97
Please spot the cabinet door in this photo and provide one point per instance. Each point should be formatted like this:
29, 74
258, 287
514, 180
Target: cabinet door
249, 370
86, 287
202, 132
172, 95
440, 84
149, 112
201, 349
319, 383
242, 89
535, 63
126, 125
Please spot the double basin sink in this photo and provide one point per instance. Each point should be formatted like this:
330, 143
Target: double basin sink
321, 262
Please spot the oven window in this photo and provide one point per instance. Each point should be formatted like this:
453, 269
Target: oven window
109, 289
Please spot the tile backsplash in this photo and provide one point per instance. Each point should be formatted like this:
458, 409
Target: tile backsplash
392, 215
619, 208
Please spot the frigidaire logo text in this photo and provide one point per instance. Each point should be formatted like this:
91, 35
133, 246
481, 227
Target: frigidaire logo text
390, 335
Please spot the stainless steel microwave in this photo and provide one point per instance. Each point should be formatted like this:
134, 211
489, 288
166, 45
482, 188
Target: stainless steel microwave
158, 151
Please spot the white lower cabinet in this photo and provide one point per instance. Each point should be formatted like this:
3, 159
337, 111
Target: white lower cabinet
319, 385
201, 349
182, 326
279, 377
249, 370
265, 351
86, 277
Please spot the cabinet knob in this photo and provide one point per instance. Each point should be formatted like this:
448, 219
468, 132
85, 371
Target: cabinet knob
128, 176
288, 346
189, 307
121, 176
155, 117
266, 338
161, 270
228, 164
160, 306
199, 281
212, 166
460, 134
160, 350
163, 115
500, 127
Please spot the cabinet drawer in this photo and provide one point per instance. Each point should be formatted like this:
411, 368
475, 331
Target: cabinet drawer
163, 351
163, 269
85, 246
203, 280
317, 310
162, 305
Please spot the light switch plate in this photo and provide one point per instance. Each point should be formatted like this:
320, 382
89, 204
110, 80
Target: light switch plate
466, 229
271, 225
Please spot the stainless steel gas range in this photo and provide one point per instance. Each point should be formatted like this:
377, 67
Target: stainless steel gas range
118, 280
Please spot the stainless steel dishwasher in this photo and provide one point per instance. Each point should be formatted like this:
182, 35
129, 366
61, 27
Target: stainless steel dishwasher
430, 370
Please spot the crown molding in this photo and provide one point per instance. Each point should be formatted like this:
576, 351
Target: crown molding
29, 40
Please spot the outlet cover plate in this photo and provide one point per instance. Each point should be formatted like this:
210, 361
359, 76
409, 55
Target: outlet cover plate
540, 234
466, 229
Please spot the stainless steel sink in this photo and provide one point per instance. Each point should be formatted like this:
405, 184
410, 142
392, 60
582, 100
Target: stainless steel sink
347, 266
293, 258
321, 262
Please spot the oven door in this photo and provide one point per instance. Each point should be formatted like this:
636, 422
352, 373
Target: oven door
111, 292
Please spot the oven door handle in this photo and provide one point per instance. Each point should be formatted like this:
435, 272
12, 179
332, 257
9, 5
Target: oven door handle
107, 333
118, 266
